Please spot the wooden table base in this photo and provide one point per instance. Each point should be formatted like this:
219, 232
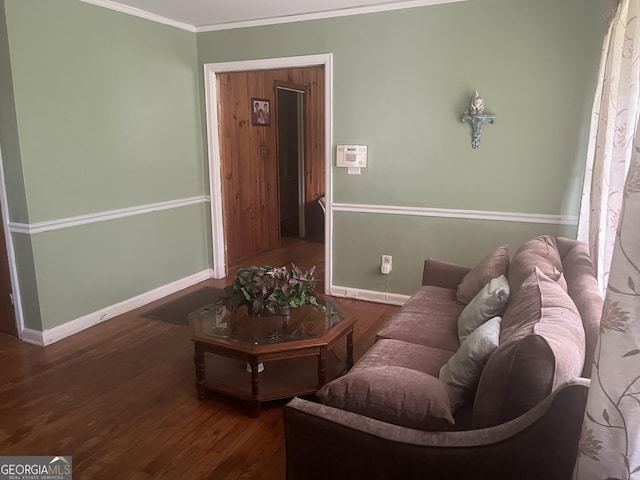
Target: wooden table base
283, 378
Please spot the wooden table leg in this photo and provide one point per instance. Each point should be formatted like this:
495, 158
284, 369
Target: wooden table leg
198, 359
322, 367
254, 403
350, 350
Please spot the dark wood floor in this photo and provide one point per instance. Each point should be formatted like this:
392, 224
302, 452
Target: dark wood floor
120, 398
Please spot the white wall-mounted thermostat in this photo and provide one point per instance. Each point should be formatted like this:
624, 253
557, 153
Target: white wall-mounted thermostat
353, 157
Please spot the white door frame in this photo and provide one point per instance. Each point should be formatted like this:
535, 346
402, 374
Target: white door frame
213, 146
13, 270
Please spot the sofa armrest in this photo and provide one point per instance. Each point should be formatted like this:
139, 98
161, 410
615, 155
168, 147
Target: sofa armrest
324, 442
443, 274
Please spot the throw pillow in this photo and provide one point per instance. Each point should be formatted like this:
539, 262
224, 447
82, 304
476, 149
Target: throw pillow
462, 371
492, 266
488, 303
395, 395
541, 346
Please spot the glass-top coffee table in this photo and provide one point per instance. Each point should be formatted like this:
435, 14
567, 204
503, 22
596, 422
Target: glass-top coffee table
241, 346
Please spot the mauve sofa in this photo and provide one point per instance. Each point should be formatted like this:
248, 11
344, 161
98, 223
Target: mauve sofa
522, 419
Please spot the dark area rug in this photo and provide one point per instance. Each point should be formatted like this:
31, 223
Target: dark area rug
178, 310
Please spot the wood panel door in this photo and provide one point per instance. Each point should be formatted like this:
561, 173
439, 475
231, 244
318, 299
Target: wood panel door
249, 169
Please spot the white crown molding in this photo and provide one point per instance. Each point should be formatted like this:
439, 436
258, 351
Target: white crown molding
52, 335
118, 7
58, 224
136, 12
369, 295
457, 213
322, 15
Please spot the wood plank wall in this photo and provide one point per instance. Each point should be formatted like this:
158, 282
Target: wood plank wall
249, 158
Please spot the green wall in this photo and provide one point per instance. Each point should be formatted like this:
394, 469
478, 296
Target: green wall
401, 79
14, 180
9, 130
78, 271
106, 116
102, 111
108, 109
360, 237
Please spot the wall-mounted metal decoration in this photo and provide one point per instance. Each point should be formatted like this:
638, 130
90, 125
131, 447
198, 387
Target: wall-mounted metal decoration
475, 117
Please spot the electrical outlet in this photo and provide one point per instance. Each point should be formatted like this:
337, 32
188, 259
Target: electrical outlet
387, 263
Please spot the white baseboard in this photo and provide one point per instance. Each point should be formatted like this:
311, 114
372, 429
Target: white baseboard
52, 335
369, 295
34, 337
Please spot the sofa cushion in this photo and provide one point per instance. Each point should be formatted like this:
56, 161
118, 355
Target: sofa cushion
428, 297
488, 303
430, 317
462, 371
395, 395
541, 346
541, 252
538, 305
582, 286
397, 353
492, 266
440, 331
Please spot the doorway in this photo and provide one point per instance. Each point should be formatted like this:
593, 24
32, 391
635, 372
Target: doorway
290, 118
318, 175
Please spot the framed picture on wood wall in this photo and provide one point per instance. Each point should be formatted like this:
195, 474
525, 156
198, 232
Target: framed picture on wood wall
260, 112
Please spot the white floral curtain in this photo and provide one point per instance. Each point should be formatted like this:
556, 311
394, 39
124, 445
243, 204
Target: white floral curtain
610, 441
613, 125
609, 446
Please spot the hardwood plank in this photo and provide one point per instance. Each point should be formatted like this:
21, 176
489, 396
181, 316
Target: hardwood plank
121, 398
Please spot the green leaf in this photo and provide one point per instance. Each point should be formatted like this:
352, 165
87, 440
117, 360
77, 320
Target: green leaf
605, 415
631, 353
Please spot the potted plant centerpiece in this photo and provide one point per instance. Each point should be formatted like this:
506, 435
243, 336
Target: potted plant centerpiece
272, 291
